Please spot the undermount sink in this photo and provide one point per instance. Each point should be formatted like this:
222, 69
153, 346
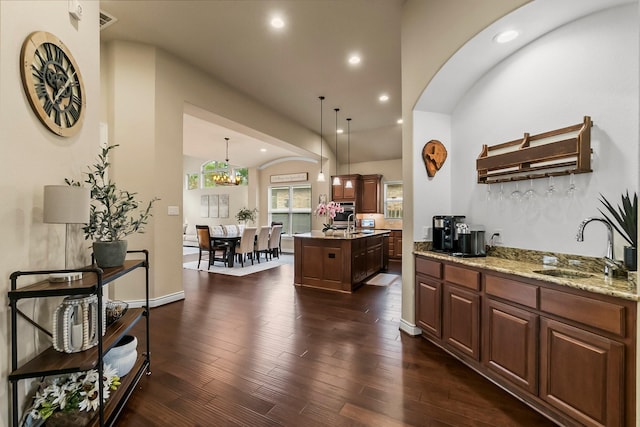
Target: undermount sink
569, 274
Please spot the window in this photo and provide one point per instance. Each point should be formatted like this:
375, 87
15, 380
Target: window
214, 168
192, 180
291, 205
393, 199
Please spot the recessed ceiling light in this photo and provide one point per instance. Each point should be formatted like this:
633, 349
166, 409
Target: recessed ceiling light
399, 121
384, 98
505, 36
354, 59
277, 22
263, 150
340, 131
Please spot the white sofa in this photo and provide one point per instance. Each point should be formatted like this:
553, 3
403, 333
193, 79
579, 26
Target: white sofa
190, 238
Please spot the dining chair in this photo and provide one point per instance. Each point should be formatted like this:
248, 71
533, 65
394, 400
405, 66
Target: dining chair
245, 247
280, 239
205, 245
262, 243
274, 241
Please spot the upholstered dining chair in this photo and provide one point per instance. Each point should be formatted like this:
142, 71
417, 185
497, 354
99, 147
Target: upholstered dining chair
245, 247
262, 244
280, 239
216, 252
274, 241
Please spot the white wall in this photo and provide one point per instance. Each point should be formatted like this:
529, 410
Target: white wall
31, 157
431, 196
588, 67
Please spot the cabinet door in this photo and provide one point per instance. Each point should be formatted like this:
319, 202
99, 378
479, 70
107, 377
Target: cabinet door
429, 305
510, 337
370, 194
582, 373
461, 317
398, 245
337, 192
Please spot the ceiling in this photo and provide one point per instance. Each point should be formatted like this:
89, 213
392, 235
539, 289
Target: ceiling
285, 70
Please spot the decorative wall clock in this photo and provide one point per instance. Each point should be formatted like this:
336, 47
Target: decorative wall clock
53, 83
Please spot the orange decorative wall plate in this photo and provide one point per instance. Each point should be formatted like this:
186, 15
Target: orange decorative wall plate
433, 154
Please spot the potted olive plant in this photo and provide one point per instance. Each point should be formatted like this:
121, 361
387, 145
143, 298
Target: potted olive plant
114, 214
624, 219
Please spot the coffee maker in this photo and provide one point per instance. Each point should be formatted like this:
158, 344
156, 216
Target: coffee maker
444, 232
470, 240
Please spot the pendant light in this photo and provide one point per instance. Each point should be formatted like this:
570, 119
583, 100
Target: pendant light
348, 184
336, 179
226, 175
320, 174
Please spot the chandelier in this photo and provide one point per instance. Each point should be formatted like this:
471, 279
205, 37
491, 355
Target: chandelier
226, 175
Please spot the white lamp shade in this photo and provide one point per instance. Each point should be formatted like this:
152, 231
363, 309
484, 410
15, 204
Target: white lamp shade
65, 204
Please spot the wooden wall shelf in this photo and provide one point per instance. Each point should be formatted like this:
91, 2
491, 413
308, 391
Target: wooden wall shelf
557, 152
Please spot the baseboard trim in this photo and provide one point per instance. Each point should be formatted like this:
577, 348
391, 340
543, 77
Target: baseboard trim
409, 328
157, 302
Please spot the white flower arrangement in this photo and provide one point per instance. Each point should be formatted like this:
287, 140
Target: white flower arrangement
76, 391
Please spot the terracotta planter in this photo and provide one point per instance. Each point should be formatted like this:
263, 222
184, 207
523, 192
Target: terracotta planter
110, 254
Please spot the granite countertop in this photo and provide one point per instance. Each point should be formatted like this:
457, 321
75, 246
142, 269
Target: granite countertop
341, 235
595, 282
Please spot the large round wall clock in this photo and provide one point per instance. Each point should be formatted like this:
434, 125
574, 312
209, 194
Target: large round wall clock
53, 83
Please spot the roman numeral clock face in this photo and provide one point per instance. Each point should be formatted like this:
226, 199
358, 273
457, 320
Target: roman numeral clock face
53, 83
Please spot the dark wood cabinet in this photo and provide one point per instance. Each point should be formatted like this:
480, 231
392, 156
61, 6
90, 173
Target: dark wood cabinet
395, 244
365, 192
566, 352
510, 344
370, 200
582, 373
340, 193
461, 320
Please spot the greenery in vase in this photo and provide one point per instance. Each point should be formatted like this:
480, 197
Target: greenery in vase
624, 219
246, 214
114, 213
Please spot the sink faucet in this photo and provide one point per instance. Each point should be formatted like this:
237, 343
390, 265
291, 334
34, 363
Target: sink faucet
610, 264
350, 227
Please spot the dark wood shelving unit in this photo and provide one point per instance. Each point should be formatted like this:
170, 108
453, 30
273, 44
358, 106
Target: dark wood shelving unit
52, 362
558, 152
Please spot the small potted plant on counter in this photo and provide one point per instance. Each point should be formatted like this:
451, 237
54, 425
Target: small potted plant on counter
624, 219
114, 214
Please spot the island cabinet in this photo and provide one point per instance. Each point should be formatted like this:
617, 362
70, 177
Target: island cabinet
337, 263
566, 352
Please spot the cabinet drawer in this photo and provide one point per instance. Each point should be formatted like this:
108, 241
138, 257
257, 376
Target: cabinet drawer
598, 314
511, 290
462, 276
429, 267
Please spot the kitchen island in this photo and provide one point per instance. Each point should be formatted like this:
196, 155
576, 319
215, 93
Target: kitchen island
340, 262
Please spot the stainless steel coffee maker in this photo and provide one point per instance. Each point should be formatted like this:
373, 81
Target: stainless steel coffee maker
470, 240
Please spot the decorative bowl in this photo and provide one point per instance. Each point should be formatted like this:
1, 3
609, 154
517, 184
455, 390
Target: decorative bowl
123, 355
115, 310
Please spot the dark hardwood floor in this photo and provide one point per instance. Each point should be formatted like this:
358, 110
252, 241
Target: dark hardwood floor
258, 351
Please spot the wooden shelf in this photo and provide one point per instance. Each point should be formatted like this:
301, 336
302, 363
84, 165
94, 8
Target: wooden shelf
53, 361
86, 285
558, 152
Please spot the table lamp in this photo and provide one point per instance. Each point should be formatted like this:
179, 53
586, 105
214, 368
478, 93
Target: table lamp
66, 204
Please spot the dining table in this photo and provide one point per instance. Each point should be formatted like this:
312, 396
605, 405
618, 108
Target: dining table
231, 241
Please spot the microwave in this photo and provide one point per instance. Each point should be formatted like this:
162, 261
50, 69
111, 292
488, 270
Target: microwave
342, 218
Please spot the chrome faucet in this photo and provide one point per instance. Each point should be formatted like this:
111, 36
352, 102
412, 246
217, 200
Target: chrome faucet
350, 227
610, 264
